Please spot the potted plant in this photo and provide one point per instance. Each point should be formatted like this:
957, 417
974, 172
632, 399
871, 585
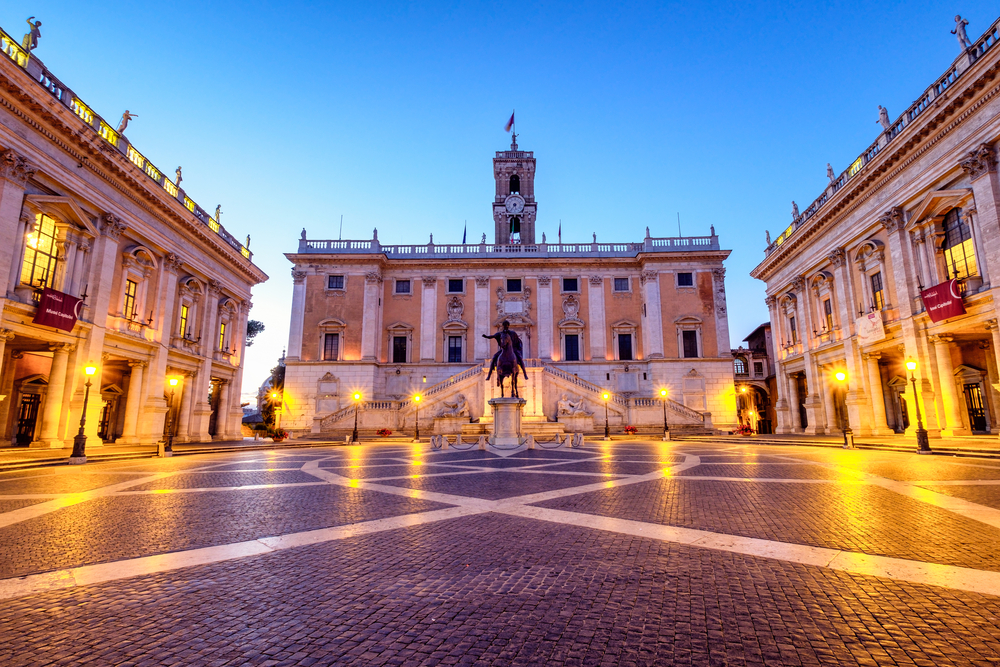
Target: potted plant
744, 430
278, 434
384, 432
631, 430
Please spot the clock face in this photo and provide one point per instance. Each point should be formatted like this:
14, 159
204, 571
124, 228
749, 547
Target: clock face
515, 204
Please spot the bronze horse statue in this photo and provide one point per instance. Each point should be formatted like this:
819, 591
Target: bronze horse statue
507, 365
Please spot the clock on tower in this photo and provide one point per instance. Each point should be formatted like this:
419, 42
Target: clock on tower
514, 206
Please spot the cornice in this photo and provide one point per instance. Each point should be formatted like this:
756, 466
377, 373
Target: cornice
880, 172
108, 164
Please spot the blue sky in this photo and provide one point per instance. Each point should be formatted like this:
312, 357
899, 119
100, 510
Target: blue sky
292, 114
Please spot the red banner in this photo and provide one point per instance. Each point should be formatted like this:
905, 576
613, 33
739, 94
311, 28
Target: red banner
58, 310
943, 301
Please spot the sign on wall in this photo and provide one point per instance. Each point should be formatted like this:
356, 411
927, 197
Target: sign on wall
869, 328
943, 301
56, 309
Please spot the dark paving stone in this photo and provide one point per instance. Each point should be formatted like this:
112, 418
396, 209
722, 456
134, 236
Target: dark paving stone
975, 493
68, 481
114, 528
612, 467
11, 505
375, 472
505, 591
906, 467
506, 463
197, 480
494, 486
763, 470
852, 517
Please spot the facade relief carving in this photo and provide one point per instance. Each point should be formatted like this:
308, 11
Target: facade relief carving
112, 226
429, 281
837, 258
544, 281
979, 162
373, 278
648, 277
455, 309
893, 219
482, 281
16, 168
596, 281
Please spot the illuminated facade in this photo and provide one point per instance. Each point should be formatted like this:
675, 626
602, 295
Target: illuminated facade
165, 289
394, 321
894, 261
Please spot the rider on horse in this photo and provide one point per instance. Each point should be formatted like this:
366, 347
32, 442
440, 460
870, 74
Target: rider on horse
515, 341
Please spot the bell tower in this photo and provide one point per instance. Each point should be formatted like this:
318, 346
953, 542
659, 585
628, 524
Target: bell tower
514, 207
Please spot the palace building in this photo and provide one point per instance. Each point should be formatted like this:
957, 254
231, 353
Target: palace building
388, 322
106, 262
895, 262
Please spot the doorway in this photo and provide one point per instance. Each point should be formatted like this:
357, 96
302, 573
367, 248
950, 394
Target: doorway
801, 391
27, 418
977, 409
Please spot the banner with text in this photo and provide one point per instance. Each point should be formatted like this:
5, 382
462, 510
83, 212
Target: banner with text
58, 310
869, 328
943, 301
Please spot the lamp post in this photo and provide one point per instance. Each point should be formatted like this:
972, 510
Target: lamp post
80, 441
666, 429
923, 445
416, 418
607, 431
168, 447
277, 410
357, 403
841, 377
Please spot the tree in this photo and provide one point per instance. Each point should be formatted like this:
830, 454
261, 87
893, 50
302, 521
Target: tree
254, 327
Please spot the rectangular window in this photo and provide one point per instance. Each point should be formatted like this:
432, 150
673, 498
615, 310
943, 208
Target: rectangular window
758, 369
331, 346
335, 282
572, 347
625, 347
130, 289
456, 285
402, 287
791, 326
570, 285
878, 296
454, 349
514, 285
399, 349
222, 336
828, 314
685, 279
184, 321
621, 285
40, 254
690, 340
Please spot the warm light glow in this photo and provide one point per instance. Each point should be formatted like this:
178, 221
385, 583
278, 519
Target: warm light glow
274, 394
663, 393
750, 413
353, 483
911, 365
357, 396
840, 375
605, 396
172, 382
90, 369
416, 399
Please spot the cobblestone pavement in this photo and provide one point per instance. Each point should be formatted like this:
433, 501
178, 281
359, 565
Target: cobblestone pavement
622, 553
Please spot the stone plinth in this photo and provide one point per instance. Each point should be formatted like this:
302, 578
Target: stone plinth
577, 423
507, 421
450, 425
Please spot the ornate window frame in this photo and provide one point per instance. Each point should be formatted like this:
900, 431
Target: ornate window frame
629, 328
822, 289
399, 329
689, 323
330, 325
870, 259
138, 264
189, 293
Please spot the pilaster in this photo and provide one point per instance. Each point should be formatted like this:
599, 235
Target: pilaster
428, 318
369, 319
652, 320
299, 314
482, 323
598, 335
545, 329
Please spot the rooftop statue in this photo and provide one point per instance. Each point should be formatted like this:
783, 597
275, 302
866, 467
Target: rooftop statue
883, 117
829, 172
126, 117
795, 209
303, 234
218, 213
767, 236
959, 32
179, 177
30, 41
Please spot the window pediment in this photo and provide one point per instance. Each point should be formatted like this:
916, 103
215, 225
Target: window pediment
938, 203
62, 209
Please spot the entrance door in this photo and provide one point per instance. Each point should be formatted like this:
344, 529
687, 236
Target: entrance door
109, 419
27, 416
801, 391
974, 402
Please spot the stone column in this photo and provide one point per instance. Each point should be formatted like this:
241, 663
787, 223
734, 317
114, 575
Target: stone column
901, 261
183, 416
721, 317
829, 399
15, 172
598, 336
369, 319
428, 318
981, 166
876, 393
49, 436
299, 313
946, 373
545, 329
793, 407
5, 335
222, 412
652, 321
133, 403
970, 219
21, 227
482, 324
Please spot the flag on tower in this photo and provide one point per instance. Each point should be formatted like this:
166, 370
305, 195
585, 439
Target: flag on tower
510, 123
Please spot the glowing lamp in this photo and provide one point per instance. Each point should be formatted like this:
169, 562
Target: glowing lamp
840, 375
663, 393
911, 365
605, 396
172, 382
416, 399
90, 369
357, 396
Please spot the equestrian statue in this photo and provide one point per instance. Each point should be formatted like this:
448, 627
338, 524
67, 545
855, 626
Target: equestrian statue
508, 359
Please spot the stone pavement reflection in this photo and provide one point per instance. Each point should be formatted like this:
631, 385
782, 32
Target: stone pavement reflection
620, 553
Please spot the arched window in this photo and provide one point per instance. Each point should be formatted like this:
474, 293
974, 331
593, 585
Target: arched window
39, 266
515, 229
740, 366
515, 184
959, 251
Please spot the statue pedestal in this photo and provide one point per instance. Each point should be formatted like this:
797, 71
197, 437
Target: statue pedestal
577, 423
449, 425
507, 421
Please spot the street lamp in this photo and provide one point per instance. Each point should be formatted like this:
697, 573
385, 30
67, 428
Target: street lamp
277, 410
357, 402
923, 445
607, 431
666, 429
416, 419
80, 441
841, 377
168, 448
